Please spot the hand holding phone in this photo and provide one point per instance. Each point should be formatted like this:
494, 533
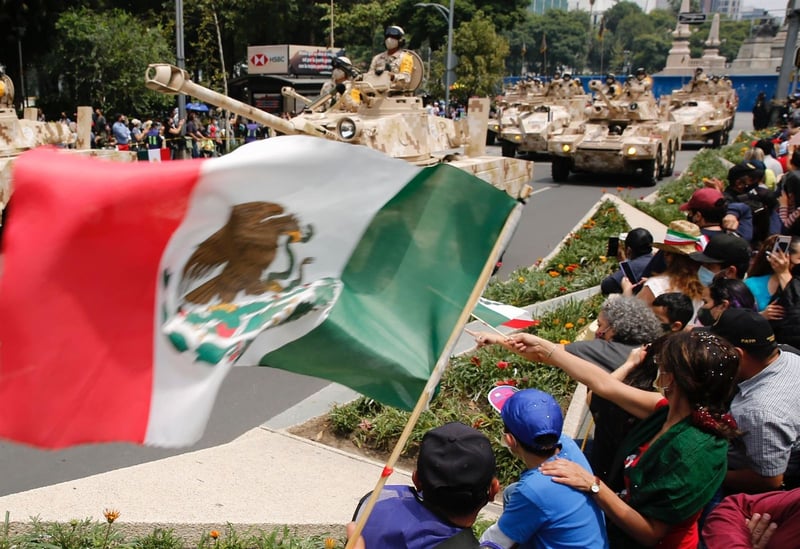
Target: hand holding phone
627, 270
782, 244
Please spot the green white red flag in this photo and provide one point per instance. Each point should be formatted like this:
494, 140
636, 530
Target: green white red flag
129, 290
498, 314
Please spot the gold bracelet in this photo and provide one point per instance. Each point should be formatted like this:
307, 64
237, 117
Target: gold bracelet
553, 350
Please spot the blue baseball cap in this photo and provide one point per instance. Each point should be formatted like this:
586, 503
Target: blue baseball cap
531, 414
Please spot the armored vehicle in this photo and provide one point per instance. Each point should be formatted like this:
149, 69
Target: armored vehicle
537, 122
626, 135
508, 106
388, 119
18, 135
706, 111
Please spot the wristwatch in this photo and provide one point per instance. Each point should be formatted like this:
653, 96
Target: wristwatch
595, 487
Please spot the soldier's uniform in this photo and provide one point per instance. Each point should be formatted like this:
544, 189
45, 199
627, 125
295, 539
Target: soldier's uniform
399, 64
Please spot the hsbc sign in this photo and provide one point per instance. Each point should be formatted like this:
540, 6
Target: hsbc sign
268, 59
290, 59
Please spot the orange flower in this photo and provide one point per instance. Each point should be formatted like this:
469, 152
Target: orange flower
581, 321
536, 323
502, 364
477, 423
554, 274
564, 341
475, 360
111, 515
214, 534
569, 325
542, 283
670, 201
330, 543
572, 267
556, 321
603, 259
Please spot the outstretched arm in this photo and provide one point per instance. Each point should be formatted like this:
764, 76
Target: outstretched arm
635, 401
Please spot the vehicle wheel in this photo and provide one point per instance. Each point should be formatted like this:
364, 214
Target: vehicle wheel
490, 137
716, 140
560, 169
725, 137
669, 165
509, 149
649, 177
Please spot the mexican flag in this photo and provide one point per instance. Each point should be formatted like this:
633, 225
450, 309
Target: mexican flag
128, 291
498, 314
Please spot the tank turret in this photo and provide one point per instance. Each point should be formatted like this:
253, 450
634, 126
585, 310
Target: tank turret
388, 119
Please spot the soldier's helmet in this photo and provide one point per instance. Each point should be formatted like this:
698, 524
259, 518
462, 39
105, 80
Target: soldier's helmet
698, 70
556, 75
567, 76
343, 62
394, 31
641, 73
610, 78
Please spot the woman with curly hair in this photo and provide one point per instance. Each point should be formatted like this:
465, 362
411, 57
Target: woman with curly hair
622, 324
682, 239
675, 460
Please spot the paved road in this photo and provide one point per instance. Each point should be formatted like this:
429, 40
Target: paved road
251, 396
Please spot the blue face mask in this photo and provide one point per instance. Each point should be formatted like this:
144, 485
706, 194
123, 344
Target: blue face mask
706, 277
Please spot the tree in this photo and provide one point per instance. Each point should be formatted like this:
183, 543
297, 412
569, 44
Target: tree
99, 59
481, 58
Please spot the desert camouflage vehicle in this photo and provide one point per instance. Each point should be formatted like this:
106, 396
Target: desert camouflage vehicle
390, 120
533, 124
520, 93
19, 135
626, 135
706, 112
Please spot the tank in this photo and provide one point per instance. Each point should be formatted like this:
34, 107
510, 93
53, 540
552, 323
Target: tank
389, 120
626, 135
537, 118
508, 106
19, 135
706, 110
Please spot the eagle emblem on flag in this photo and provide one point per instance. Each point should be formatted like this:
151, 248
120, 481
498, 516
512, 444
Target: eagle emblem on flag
231, 291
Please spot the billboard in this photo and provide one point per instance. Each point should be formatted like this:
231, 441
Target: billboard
291, 59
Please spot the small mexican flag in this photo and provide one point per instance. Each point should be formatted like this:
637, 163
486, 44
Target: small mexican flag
498, 314
128, 291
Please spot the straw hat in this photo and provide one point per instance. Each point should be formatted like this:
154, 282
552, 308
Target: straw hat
683, 237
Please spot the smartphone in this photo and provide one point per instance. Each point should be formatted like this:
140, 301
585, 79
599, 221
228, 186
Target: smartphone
613, 246
627, 270
782, 244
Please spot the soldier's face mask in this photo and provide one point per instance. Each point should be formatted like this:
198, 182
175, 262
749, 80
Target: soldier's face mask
337, 74
392, 43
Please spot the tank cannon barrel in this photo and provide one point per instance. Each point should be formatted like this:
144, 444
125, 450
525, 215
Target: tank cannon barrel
597, 87
171, 80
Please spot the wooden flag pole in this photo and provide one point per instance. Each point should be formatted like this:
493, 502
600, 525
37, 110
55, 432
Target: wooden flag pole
441, 364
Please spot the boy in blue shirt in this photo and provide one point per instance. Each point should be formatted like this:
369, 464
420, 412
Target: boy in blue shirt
538, 512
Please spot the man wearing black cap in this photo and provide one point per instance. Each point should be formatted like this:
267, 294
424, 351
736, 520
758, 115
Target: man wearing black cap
743, 189
538, 512
767, 455
725, 253
638, 247
454, 479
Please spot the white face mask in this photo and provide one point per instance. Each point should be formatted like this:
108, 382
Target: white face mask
392, 43
337, 74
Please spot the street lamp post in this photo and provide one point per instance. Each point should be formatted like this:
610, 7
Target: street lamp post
448, 16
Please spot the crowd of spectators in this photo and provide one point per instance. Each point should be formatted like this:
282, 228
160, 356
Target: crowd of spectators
693, 387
